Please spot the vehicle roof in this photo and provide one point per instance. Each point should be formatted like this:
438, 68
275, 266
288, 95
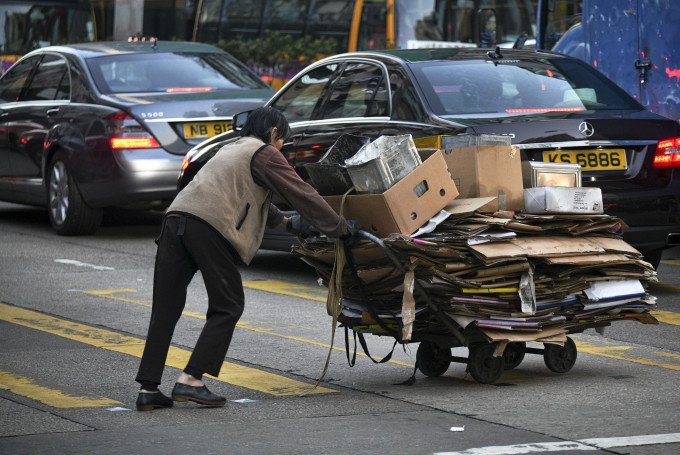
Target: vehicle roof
422, 55
100, 48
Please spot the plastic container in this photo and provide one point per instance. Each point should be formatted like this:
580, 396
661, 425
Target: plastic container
382, 163
329, 174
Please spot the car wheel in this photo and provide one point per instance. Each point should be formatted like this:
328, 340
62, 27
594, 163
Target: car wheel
69, 215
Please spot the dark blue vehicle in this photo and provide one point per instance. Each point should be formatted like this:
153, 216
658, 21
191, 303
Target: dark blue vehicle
636, 44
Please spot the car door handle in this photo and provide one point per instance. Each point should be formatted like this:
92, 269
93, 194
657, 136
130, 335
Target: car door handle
52, 111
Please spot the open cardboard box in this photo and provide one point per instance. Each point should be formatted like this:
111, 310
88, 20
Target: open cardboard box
407, 205
486, 170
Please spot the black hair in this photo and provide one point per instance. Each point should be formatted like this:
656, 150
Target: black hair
262, 121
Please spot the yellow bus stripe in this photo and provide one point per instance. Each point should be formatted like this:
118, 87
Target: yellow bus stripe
25, 387
231, 373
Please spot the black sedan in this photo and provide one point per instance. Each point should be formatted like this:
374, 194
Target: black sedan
555, 108
88, 126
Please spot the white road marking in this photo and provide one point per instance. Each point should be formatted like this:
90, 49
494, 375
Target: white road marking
581, 444
83, 264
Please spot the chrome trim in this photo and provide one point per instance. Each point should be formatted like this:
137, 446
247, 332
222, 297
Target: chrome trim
559, 145
363, 120
184, 119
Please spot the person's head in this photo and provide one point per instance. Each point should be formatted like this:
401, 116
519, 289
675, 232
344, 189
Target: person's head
267, 124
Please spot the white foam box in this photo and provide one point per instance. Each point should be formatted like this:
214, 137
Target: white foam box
560, 199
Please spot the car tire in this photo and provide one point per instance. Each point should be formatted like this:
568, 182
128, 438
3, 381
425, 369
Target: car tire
68, 212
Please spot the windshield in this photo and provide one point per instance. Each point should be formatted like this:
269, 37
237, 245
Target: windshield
171, 73
514, 87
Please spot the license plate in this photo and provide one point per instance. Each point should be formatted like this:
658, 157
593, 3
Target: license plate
590, 160
201, 130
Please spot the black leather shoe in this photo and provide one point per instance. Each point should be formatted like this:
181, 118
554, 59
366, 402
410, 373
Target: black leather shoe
183, 392
151, 401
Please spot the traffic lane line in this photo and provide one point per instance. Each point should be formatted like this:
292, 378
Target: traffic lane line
581, 444
595, 346
238, 375
110, 294
26, 387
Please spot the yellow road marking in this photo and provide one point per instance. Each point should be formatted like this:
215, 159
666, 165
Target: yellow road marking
238, 375
279, 287
667, 317
23, 386
664, 287
241, 324
671, 261
603, 349
610, 350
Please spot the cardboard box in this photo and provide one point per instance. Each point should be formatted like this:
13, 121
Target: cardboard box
487, 170
559, 199
407, 205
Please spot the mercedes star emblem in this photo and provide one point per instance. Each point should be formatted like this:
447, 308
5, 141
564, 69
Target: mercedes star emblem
586, 129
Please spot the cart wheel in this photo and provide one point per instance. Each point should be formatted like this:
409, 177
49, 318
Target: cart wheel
513, 355
482, 365
432, 360
560, 359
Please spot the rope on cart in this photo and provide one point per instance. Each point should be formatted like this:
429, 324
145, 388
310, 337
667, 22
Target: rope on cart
334, 299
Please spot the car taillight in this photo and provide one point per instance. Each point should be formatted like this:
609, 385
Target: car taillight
126, 133
667, 153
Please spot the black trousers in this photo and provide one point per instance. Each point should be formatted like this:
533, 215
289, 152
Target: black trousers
183, 248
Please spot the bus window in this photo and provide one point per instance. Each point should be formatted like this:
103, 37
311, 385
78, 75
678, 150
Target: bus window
286, 16
27, 25
455, 23
331, 19
242, 19
373, 26
565, 14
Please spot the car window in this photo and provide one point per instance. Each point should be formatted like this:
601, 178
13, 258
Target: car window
14, 80
298, 101
406, 104
50, 81
171, 72
360, 92
517, 87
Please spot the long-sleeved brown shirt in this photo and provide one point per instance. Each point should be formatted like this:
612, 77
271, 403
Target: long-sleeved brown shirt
270, 169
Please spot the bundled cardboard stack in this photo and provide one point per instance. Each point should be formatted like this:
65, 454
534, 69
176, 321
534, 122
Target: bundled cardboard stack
485, 266
501, 277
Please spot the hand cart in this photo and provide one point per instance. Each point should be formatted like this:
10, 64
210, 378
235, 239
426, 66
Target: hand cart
486, 360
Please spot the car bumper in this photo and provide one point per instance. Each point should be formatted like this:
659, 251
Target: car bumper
138, 179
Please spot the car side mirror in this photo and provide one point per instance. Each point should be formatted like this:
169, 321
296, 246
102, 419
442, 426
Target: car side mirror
239, 120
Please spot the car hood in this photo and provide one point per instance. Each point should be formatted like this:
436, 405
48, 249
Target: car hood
560, 127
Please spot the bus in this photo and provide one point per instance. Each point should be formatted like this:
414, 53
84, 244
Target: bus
26, 25
371, 24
